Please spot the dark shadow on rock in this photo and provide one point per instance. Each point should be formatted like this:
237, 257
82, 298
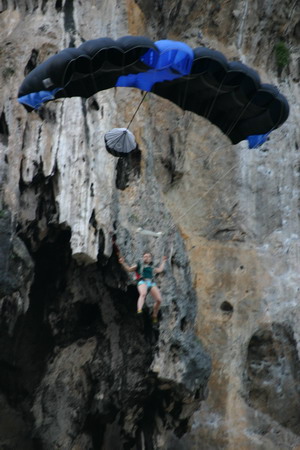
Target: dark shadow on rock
273, 375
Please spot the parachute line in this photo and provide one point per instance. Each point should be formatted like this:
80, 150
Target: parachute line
144, 96
203, 195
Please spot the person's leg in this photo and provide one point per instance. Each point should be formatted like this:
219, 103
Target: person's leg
142, 288
155, 292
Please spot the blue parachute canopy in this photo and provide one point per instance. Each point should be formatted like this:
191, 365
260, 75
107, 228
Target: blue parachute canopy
257, 140
228, 94
173, 60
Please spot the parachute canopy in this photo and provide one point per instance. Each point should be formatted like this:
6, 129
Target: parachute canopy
201, 80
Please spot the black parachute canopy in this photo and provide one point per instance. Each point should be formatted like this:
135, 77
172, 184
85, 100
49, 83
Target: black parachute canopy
201, 80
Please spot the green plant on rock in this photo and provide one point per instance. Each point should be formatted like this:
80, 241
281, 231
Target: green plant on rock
282, 55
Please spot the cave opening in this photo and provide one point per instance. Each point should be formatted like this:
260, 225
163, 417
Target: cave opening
25, 352
226, 307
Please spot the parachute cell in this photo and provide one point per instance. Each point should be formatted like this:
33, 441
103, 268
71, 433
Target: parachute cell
201, 80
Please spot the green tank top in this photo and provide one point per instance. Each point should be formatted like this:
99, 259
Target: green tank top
145, 271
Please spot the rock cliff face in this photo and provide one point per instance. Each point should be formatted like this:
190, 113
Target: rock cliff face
79, 370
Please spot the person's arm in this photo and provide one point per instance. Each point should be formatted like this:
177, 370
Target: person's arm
161, 267
126, 267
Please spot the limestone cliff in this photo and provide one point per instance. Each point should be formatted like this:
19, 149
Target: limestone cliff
79, 370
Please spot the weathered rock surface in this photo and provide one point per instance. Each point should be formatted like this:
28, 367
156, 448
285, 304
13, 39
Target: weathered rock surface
79, 367
78, 370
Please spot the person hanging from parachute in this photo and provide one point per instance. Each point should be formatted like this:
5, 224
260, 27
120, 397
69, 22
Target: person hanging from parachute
145, 281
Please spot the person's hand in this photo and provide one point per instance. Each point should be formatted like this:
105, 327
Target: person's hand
164, 258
